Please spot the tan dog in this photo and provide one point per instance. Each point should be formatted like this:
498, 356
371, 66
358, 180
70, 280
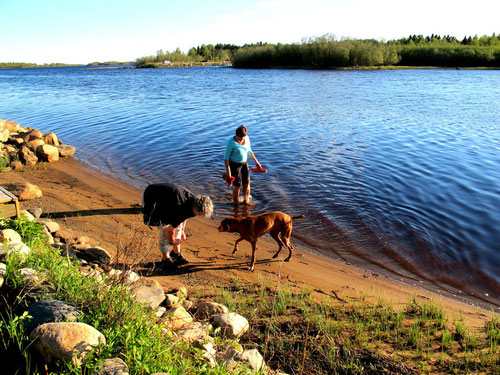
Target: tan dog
278, 224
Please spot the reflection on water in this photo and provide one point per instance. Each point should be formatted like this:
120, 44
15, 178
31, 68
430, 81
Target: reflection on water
395, 170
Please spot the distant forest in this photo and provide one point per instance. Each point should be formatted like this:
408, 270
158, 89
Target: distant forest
328, 52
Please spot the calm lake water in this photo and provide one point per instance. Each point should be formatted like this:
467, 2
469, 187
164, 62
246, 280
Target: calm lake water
396, 171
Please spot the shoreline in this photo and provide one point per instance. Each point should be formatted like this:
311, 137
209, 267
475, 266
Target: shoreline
89, 202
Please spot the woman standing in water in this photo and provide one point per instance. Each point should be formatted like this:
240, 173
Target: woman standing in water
236, 161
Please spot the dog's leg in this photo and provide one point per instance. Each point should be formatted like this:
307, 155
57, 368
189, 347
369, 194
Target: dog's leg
277, 238
252, 262
236, 245
289, 245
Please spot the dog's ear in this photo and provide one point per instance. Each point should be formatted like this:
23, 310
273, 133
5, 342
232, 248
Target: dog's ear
226, 226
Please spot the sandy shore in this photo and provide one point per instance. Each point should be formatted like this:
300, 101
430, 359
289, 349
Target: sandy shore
86, 202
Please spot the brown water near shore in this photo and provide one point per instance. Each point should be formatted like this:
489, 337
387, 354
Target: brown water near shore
86, 202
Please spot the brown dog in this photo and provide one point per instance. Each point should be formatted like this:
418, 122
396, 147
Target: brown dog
278, 224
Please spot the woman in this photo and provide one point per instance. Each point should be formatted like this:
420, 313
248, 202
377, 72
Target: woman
168, 206
236, 161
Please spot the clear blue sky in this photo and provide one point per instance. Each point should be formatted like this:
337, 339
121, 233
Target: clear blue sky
83, 31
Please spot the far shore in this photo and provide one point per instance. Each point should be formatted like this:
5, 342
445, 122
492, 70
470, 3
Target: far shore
87, 202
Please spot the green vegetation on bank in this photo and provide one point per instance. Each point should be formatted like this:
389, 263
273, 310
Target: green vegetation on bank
301, 335
327, 52
290, 326
12, 65
218, 54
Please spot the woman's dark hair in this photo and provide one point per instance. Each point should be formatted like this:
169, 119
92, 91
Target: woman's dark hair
241, 131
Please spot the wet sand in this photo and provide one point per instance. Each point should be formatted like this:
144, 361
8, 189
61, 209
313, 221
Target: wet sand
86, 202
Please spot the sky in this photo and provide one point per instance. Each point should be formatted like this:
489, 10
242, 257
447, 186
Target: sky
84, 31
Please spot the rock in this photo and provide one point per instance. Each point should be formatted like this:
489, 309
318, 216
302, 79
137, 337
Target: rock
206, 309
187, 304
52, 226
66, 150
209, 352
82, 239
127, 277
9, 235
52, 311
113, 366
50, 139
148, 291
232, 324
16, 140
34, 134
68, 342
15, 247
34, 143
252, 358
3, 271
177, 318
16, 165
50, 239
24, 190
29, 275
97, 254
194, 331
160, 311
4, 134
182, 292
28, 216
171, 300
36, 212
9, 125
47, 153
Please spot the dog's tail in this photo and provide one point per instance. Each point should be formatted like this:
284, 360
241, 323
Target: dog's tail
298, 217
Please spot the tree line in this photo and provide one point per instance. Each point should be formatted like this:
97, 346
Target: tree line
416, 50
328, 52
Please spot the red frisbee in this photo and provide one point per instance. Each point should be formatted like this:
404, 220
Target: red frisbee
259, 170
229, 182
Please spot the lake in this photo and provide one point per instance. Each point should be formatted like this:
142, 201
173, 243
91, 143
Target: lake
397, 172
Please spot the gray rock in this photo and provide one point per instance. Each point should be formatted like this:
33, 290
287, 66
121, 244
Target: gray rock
148, 291
206, 309
36, 212
194, 331
52, 311
251, 358
232, 324
66, 150
97, 254
68, 342
113, 366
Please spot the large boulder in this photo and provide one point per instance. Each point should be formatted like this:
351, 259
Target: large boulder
9, 235
51, 139
68, 342
66, 150
34, 143
52, 311
47, 153
34, 134
27, 156
24, 190
11, 126
4, 134
15, 247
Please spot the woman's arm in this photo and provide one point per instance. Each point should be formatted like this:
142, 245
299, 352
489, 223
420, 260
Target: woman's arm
252, 155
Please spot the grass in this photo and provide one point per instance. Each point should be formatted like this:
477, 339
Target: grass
293, 328
301, 335
131, 329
